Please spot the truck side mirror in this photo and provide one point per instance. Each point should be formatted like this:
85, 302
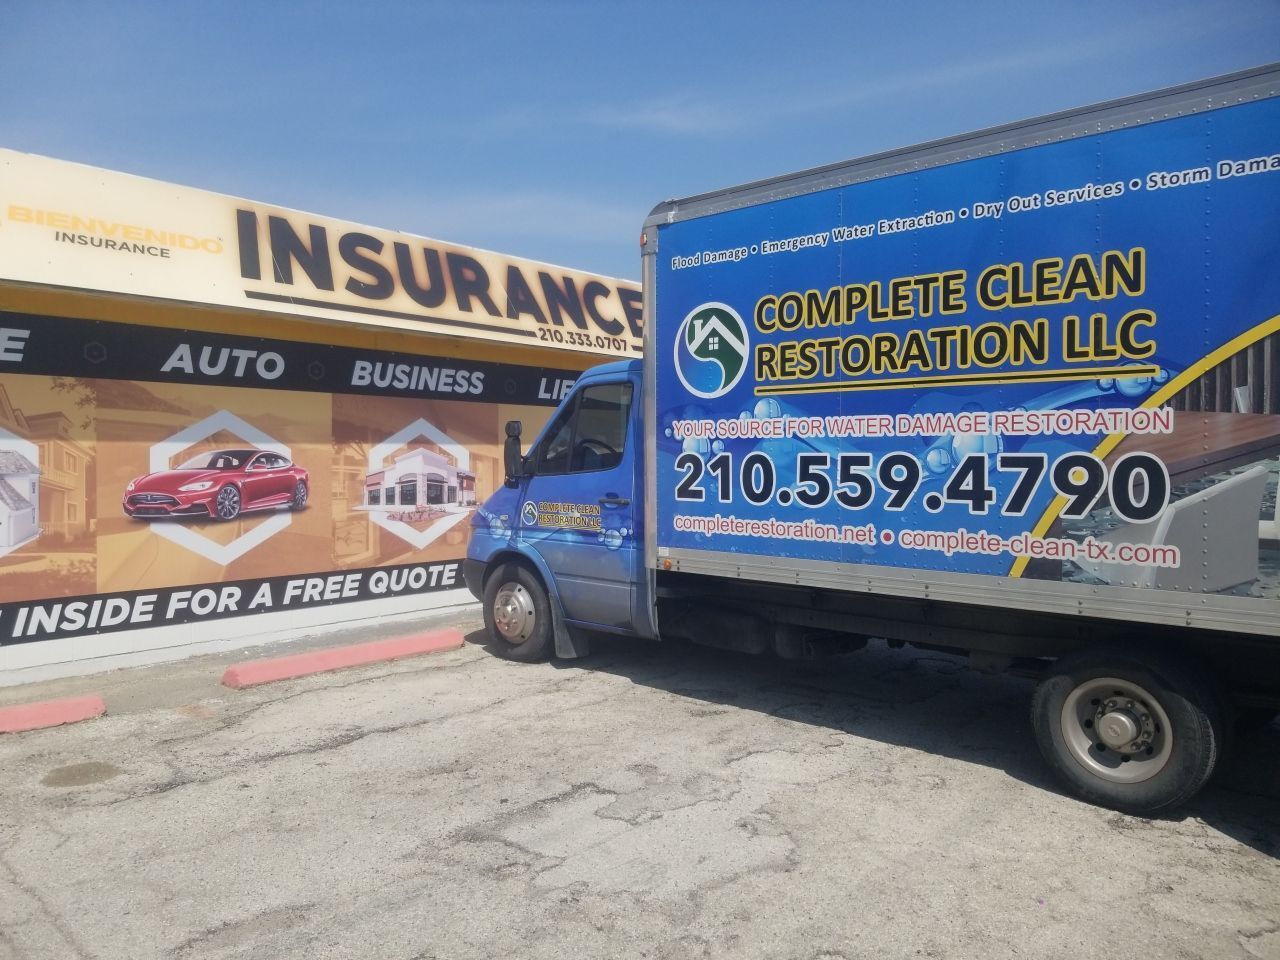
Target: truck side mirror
512, 462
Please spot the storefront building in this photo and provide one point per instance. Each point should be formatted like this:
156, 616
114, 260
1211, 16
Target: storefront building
221, 419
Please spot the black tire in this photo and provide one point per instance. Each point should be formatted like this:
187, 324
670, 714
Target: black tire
226, 505
299, 501
1174, 708
517, 613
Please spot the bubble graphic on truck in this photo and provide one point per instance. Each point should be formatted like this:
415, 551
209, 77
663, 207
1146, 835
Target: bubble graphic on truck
767, 409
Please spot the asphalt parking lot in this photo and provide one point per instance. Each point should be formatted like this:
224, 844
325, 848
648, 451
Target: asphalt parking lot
652, 801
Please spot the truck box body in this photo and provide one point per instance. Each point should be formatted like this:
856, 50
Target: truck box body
1035, 367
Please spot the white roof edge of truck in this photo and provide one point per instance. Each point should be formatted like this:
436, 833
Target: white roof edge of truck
1182, 99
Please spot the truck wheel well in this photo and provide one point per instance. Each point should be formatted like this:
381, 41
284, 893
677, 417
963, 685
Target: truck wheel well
502, 559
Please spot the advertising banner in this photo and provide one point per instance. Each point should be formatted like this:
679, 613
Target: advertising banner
72, 226
1060, 362
155, 476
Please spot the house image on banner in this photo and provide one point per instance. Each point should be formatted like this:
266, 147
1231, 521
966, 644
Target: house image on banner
47, 441
19, 499
419, 481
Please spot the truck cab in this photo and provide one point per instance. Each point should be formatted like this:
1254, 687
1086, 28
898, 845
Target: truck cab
556, 551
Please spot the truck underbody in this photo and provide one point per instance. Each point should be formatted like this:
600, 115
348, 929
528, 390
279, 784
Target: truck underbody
778, 617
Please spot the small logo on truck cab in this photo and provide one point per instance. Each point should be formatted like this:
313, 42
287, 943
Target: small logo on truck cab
711, 350
529, 514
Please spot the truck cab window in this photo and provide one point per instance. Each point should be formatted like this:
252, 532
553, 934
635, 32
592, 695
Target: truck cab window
592, 434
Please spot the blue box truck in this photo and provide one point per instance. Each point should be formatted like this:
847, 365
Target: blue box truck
1014, 395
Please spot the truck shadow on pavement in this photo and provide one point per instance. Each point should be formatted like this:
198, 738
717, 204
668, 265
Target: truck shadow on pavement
929, 702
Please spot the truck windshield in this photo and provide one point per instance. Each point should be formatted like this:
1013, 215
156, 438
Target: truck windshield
592, 432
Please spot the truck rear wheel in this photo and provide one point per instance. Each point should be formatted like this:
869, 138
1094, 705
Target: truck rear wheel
517, 613
1136, 733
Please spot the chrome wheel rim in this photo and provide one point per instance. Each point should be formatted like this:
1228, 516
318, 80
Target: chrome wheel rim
300, 496
228, 503
1116, 730
514, 614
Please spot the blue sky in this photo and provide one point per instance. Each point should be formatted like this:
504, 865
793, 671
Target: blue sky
549, 129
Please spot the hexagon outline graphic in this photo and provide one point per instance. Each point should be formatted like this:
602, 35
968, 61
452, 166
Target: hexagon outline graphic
31, 451
162, 453
378, 454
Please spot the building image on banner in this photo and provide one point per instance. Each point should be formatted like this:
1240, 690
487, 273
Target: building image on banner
47, 493
19, 499
419, 479
212, 408
419, 484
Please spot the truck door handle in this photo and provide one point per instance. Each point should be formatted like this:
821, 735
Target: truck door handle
613, 500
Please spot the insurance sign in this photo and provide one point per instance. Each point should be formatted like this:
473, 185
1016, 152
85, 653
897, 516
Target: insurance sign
72, 226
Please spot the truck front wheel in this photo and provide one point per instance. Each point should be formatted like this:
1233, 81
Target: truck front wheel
1134, 733
517, 613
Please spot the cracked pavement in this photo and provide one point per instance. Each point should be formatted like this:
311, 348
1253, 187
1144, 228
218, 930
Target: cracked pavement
652, 801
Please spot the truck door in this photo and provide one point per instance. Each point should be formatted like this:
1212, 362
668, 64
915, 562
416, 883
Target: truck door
580, 510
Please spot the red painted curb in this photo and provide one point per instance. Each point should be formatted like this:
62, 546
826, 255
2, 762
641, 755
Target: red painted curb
50, 713
254, 672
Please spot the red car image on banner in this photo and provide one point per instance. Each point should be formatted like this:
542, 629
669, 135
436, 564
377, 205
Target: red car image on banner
220, 485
